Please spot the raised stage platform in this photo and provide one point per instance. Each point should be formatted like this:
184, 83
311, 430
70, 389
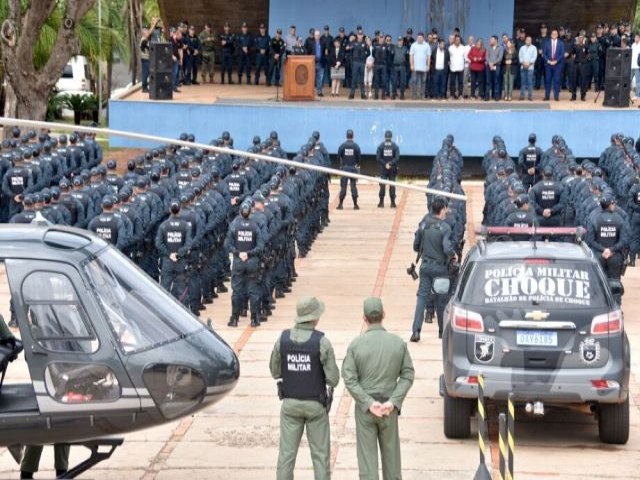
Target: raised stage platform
418, 126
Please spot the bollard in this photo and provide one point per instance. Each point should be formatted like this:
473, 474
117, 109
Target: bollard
511, 420
502, 441
483, 472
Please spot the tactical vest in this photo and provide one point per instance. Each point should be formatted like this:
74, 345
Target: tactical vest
245, 235
183, 179
349, 154
359, 52
302, 373
71, 204
234, 181
18, 180
106, 227
531, 157
432, 237
607, 231
548, 195
24, 217
82, 198
521, 220
175, 235
387, 150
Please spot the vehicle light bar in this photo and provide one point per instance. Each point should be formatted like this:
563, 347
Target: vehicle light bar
546, 231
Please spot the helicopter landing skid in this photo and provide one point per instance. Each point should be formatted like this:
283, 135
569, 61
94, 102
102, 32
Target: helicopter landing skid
96, 455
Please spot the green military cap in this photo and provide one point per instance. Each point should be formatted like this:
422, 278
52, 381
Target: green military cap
373, 308
309, 309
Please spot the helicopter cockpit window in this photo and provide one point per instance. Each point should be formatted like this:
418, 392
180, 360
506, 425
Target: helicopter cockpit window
141, 314
56, 318
81, 382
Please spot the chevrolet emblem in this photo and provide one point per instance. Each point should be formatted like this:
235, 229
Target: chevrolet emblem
537, 315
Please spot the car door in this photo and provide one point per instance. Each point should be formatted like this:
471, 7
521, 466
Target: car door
71, 356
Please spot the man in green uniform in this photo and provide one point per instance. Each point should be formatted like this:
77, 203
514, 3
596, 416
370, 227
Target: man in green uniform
31, 460
378, 372
304, 360
208, 42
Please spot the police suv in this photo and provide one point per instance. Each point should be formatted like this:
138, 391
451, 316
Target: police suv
538, 320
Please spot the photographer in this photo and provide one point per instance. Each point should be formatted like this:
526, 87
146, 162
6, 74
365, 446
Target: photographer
433, 244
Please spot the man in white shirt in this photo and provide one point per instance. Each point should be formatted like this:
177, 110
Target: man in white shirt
635, 65
527, 57
419, 59
466, 89
457, 54
291, 40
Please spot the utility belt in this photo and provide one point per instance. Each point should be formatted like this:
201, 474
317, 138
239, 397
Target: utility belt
326, 400
433, 261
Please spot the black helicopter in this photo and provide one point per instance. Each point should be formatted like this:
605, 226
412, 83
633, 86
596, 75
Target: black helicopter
108, 350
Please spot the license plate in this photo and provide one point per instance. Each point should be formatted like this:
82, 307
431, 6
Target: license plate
535, 338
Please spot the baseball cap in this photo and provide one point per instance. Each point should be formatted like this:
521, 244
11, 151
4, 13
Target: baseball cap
373, 308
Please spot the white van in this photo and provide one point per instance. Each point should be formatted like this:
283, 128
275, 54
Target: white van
76, 77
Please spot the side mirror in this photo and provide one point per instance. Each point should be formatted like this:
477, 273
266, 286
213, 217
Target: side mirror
616, 287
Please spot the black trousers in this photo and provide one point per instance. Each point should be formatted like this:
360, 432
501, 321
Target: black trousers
612, 266
391, 175
581, 76
456, 81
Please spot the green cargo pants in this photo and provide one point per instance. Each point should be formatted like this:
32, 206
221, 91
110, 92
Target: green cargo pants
295, 415
32, 453
371, 431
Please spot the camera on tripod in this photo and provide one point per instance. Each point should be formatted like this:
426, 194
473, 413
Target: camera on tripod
412, 271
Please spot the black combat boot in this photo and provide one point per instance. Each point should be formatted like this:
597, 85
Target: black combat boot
233, 321
381, 204
415, 337
339, 207
254, 320
393, 204
279, 293
222, 288
429, 317
355, 204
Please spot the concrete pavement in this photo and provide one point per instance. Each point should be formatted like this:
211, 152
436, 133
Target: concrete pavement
360, 254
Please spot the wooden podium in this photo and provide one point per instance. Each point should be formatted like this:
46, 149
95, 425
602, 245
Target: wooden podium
299, 78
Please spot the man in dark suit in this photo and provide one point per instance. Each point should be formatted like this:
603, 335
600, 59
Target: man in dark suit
553, 56
316, 49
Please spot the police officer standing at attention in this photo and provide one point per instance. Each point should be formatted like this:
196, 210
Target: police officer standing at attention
388, 156
608, 237
304, 360
245, 42
245, 241
263, 41
110, 226
349, 158
529, 161
358, 57
433, 243
378, 372
208, 42
227, 40
549, 200
173, 243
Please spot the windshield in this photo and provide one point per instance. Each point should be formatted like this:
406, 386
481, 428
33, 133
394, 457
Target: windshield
539, 282
141, 314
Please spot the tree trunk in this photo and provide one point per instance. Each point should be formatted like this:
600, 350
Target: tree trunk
27, 88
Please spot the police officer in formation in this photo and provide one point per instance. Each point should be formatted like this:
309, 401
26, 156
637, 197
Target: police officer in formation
529, 162
601, 197
171, 212
388, 157
378, 373
349, 157
304, 362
